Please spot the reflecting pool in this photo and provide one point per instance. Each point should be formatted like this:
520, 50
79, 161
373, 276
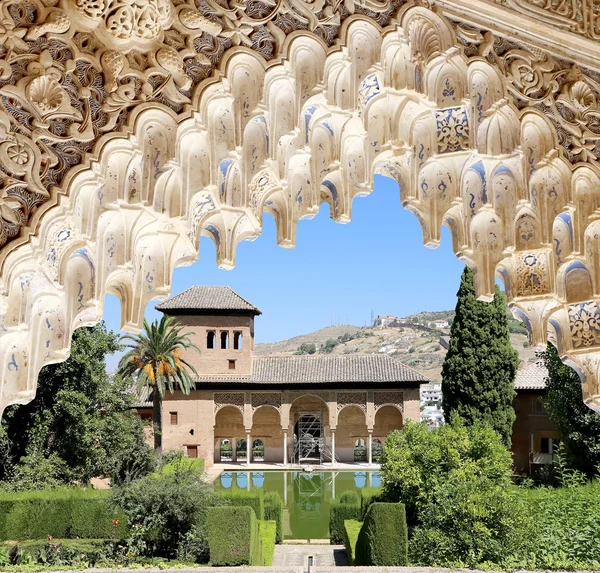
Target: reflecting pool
306, 496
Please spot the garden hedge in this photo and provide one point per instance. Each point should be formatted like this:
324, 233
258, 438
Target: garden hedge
368, 495
62, 513
233, 536
338, 513
273, 510
242, 497
351, 531
268, 531
383, 538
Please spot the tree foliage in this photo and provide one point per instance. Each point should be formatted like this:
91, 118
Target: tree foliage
78, 426
306, 348
578, 424
155, 358
480, 366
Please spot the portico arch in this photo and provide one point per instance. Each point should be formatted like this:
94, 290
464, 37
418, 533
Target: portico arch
387, 419
229, 425
453, 118
266, 426
351, 426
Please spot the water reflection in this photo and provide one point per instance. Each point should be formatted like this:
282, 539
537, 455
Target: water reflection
306, 496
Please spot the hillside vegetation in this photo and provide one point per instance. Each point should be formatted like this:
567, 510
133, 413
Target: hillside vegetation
414, 343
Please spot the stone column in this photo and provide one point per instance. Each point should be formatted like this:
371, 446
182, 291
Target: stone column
285, 447
333, 448
370, 447
248, 447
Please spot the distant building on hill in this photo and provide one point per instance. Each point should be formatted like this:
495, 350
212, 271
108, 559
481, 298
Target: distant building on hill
388, 321
286, 409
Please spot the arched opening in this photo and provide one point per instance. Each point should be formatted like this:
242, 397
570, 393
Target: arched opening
211, 339
229, 430
241, 450
387, 419
237, 341
360, 450
266, 430
309, 417
258, 451
377, 450
224, 340
351, 426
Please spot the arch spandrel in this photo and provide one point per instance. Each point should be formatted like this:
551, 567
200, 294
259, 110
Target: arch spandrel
144, 144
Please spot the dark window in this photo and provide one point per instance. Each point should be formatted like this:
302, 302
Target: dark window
210, 339
232, 365
192, 451
224, 340
237, 341
173, 418
545, 445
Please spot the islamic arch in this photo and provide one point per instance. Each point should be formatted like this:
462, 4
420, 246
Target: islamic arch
131, 128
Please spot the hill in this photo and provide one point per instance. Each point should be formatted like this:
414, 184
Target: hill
414, 343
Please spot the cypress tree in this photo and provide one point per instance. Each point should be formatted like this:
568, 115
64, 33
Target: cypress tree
480, 366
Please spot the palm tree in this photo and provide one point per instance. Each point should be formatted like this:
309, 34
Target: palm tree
155, 358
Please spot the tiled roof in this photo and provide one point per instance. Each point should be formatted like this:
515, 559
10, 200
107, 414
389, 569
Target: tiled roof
370, 368
207, 298
531, 377
142, 397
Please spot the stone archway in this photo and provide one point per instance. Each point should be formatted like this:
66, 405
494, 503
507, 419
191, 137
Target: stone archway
153, 144
229, 425
351, 426
266, 426
309, 429
387, 419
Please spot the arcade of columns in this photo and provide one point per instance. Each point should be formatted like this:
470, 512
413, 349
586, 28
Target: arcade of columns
130, 128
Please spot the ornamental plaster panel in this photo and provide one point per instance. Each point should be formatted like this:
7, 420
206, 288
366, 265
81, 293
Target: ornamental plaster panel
224, 399
389, 398
129, 130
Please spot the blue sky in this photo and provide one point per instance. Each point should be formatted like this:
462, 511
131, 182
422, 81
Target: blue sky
337, 273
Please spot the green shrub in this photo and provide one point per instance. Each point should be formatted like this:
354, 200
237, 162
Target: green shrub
64, 513
564, 527
383, 538
273, 510
350, 497
416, 460
233, 536
242, 497
368, 495
65, 552
338, 513
468, 520
268, 532
169, 507
194, 464
351, 531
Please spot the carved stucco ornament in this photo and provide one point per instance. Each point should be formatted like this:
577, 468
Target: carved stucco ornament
130, 128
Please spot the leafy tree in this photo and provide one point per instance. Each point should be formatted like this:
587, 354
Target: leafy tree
306, 348
578, 424
155, 357
80, 423
480, 366
329, 345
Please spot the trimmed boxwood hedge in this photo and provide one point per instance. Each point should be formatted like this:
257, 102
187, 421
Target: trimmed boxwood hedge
62, 513
273, 510
268, 531
242, 498
383, 538
369, 495
233, 536
351, 532
338, 513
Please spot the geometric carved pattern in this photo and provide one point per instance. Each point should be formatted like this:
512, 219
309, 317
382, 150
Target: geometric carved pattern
358, 399
266, 399
584, 320
129, 129
389, 399
532, 273
235, 399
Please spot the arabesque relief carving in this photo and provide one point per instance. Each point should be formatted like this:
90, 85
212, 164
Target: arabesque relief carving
128, 130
